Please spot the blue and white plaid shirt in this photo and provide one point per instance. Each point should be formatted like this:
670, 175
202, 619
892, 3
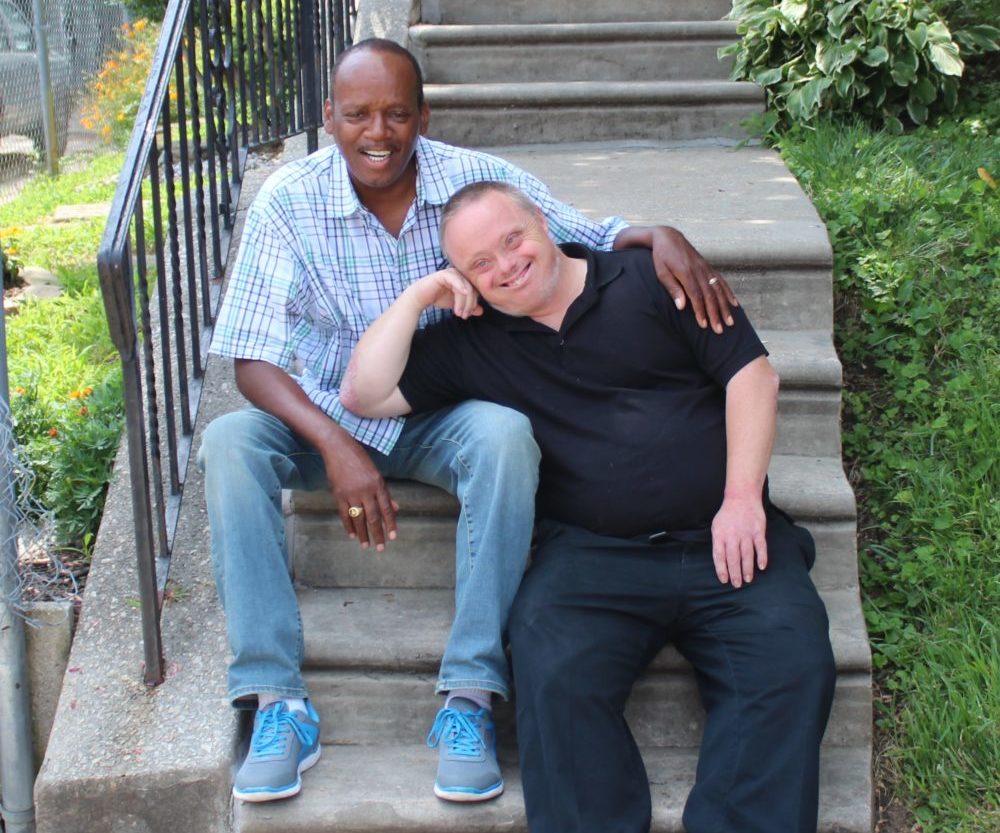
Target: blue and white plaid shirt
316, 268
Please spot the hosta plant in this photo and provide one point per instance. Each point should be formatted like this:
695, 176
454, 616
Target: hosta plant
887, 60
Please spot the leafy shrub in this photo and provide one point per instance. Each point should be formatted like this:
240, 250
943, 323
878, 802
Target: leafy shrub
66, 407
884, 60
115, 92
915, 225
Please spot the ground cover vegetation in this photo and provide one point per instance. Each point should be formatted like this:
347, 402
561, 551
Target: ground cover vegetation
889, 115
65, 383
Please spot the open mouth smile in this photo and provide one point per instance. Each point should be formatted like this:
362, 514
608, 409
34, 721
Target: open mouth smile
517, 280
377, 157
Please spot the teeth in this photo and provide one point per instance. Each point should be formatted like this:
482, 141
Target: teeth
377, 154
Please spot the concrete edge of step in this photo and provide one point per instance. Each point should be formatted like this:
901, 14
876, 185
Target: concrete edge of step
122, 755
564, 94
445, 35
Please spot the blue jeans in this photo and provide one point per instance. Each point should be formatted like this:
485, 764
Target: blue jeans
483, 454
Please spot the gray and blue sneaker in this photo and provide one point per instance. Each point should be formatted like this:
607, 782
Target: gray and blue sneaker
467, 756
284, 744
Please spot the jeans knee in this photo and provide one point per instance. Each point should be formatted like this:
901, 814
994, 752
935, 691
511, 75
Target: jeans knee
505, 435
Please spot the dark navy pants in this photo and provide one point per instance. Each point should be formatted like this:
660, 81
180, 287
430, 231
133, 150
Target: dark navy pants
590, 615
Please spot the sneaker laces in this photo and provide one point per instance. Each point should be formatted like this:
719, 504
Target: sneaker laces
270, 739
459, 731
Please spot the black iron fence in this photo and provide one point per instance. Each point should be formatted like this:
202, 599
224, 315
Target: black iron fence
228, 75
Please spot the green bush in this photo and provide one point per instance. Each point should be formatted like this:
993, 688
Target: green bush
915, 225
66, 407
884, 60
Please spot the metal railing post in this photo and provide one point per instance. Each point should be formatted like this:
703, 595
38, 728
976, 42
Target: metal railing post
309, 61
45, 87
17, 759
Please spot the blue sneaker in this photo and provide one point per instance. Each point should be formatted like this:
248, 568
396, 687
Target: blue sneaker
284, 744
467, 758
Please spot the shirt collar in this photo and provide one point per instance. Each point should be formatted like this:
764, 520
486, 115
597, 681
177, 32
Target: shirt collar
433, 185
600, 272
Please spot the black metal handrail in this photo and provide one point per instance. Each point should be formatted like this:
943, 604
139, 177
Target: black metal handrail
228, 75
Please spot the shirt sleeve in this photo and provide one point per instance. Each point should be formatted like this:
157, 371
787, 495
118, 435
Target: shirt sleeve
262, 314
720, 356
434, 375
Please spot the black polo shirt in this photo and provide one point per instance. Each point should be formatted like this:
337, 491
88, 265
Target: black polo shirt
626, 400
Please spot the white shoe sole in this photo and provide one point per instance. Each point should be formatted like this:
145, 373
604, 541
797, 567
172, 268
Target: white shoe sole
258, 796
492, 792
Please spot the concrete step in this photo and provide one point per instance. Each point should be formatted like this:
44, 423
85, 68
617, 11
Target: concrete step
377, 709
402, 631
570, 11
809, 402
813, 489
365, 789
372, 657
649, 51
511, 114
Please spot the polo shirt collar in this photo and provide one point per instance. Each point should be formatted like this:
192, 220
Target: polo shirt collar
432, 181
600, 272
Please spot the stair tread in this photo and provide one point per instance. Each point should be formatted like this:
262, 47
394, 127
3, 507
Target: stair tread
365, 789
432, 35
807, 487
405, 629
597, 93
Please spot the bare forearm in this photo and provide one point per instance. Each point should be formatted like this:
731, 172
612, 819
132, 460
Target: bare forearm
751, 414
370, 386
272, 390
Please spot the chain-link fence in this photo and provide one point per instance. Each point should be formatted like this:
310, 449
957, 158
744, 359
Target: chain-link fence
79, 35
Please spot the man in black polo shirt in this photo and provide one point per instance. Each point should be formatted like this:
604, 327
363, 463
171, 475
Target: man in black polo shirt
654, 521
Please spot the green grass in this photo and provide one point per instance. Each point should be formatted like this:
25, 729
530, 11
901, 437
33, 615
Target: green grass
65, 378
915, 228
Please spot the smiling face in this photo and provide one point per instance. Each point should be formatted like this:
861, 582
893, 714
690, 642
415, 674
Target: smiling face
504, 249
375, 117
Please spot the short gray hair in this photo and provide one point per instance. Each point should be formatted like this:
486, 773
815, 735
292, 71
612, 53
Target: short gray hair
476, 191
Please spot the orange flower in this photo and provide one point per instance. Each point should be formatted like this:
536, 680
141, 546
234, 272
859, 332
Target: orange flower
19, 391
53, 432
984, 175
82, 411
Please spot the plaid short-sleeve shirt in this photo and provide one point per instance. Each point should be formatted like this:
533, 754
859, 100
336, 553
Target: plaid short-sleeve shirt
315, 268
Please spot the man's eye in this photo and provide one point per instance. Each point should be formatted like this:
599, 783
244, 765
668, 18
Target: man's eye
479, 265
514, 240
399, 115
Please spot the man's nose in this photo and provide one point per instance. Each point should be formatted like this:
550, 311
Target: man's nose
378, 127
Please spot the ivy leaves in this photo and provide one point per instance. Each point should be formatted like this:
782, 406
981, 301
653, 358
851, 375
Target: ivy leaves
884, 59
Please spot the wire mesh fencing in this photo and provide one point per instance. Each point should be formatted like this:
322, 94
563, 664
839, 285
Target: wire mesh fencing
78, 38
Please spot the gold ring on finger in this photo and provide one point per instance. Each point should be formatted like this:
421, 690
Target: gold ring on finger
356, 511
713, 281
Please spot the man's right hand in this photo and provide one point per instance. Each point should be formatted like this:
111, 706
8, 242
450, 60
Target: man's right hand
353, 478
447, 289
356, 483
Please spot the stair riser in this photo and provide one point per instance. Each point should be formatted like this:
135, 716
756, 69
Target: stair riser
615, 61
664, 710
386, 790
782, 299
570, 11
808, 423
492, 126
423, 555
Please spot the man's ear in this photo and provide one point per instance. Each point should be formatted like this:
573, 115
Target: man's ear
328, 117
425, 118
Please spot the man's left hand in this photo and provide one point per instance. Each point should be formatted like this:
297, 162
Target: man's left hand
738, 540
686, 275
